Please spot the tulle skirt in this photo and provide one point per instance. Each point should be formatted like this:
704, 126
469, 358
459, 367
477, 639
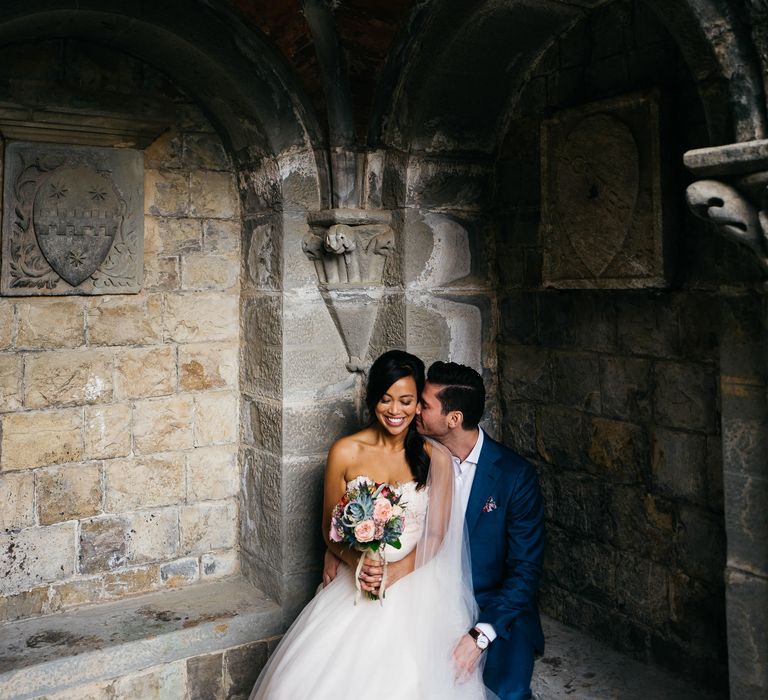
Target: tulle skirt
401, 649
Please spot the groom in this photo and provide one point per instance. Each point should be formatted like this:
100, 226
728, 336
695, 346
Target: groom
504, 515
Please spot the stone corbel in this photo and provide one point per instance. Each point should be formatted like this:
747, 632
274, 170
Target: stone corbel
733, 192
349, 248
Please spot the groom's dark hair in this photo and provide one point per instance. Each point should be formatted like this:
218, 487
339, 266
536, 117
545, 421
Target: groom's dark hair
462, 390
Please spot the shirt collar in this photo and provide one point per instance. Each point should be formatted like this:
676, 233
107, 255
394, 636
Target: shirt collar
474, 454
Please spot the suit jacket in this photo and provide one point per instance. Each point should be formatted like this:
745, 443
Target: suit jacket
505, 522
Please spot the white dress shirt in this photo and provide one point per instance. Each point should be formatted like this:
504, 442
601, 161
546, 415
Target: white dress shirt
464, 473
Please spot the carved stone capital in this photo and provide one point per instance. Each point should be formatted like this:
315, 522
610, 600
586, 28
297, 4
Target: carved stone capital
733, 192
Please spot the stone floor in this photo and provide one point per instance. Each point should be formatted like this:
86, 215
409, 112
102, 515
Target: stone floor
576, 667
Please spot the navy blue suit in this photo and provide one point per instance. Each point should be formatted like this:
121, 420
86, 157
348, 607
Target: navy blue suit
505, 522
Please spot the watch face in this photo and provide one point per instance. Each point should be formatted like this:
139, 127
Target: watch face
482, 641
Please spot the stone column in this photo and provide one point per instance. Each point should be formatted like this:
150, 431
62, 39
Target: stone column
732, 194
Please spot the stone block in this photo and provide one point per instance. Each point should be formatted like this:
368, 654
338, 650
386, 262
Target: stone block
745, 428
262, 367
216, 419
39, 438
180, 573
310, 371
10, 382
685, 396
6, 324
162, 424
302, 484
579, 319
172, 236
129, 582
161, 274
204, 271
746, 522
619, 450
25, 604
208, 526
264, 318
576, 380
125, 320
208, 366
699, 327
143, 482
167, 681
191, 318
213, 195
714, 458
166, 193
212, 473
205, 680
262, 424
642, 589
35, 556
576, 502
626, 388
17, 501
311, 430
67, 377
164, 151
102, 544
700, 543
221, 236
50, 323
518, 319
242, 666
433, 184
642, 523
152, 535
647, 326
525, 373
219, 564
205, 151
262, 479
107, 431
263, 254
68, 493
78, 592
145, 372
520, 427
679, 464
562, 437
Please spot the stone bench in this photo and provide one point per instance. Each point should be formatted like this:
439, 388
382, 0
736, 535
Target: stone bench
210, 638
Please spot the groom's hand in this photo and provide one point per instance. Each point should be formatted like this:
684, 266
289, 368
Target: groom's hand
466, 654
330, 567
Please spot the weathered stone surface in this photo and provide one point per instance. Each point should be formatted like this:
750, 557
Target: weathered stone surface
131, 581
626, 388
205, 151
77, 592
164, 151
561, 436
67, 377
207, 366
193, 318
152, 535
27, 603
576, 502
262, 366
647, 327
6, 324
220, 236
577, 319
435, 184
242, 666
212, 473
685, 396
263, 254
162, 424
701, 544
715, 473
10, 382
125, 320
525, 373
576, 380
145, 372
313, 429
219, 564
50, 323
180, 573
205, 680
143, 482
618, 449
107, 431
102, 544
38, 438
36, 555
262, 424
212, 195
17, 501
208, 526
642, 523
642, 589
206, 271
746, 522
166, 193
166, 681
161, 274
68, 493
265, 320
216, 418
520, 427
518, 319
172, 236
679, 464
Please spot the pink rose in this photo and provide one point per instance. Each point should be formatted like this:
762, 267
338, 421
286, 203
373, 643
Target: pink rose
364, 531
334, 534
379, 532
382, 510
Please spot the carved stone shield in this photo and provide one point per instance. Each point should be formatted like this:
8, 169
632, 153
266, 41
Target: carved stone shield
597, 179
77, 213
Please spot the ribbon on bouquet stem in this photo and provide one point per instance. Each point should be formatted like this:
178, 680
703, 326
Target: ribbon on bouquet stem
382, 588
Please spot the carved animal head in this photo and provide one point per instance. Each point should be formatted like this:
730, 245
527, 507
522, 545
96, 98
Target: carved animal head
340, 239
312, 246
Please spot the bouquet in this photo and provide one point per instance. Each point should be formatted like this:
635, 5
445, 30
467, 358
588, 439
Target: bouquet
368, 517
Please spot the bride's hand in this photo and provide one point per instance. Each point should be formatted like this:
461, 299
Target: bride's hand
465, 657
371, 574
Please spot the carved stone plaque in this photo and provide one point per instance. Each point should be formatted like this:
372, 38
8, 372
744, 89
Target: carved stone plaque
602, 214
73, 220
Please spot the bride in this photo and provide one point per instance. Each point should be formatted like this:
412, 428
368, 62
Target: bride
399, 647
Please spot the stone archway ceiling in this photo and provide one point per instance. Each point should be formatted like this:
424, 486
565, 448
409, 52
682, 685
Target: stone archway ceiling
231, 70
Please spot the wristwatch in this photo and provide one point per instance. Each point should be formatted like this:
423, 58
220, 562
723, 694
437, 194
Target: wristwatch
480, 639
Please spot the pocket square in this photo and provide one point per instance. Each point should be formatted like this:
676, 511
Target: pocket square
490, 505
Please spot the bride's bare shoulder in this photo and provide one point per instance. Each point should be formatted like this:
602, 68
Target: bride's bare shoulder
348, 448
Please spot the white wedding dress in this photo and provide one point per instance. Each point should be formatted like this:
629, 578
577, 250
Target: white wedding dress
400, 648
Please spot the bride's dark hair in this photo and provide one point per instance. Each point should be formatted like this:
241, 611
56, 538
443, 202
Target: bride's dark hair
384, 372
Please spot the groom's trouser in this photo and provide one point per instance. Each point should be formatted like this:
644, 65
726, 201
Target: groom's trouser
509, 666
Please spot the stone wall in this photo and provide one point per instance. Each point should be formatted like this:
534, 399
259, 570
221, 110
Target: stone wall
118, 463
614, 394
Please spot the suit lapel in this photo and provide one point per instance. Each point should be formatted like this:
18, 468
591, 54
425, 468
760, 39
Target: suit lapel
486, 475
